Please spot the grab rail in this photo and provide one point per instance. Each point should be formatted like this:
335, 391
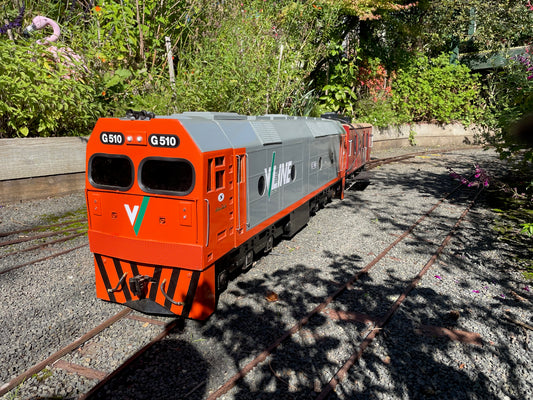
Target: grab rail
162, 288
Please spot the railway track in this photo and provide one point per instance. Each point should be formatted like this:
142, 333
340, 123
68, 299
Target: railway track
378, 322
334, 307
56, 359
31, 242
374, 163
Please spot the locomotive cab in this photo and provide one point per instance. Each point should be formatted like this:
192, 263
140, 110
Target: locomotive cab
145, 199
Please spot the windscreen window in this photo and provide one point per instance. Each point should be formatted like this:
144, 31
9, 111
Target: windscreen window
167, 176
111, 171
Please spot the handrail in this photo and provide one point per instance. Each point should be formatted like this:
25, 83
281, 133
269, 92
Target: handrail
239, 179
162, 288
207, 230
119, 284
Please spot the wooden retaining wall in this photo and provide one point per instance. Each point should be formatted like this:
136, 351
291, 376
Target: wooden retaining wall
33, 168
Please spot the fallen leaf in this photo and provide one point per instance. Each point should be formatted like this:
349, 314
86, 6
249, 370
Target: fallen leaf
517, 296
461, 366
271, 296
454, 314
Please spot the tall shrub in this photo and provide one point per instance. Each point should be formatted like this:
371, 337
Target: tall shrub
436, 90
40, 96
510, 97
253, 57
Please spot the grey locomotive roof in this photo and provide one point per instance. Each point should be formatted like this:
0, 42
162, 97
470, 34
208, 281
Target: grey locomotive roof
215, 131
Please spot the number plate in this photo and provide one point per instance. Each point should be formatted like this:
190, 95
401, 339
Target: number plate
112, 138
161, 140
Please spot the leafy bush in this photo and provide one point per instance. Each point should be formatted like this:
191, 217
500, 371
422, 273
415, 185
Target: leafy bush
435, 90
510, 99
42, 97
361, 90
252, 58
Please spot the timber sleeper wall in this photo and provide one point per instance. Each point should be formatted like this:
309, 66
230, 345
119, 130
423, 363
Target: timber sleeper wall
33, 168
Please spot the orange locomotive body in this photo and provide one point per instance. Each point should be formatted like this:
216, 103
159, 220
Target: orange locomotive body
175, 203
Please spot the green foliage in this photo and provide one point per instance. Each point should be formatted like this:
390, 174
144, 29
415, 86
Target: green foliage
369, 9
412, 140
527, 229
509, 93
498, 24
228, 56
435, 90
340, 93
361, 90
252, 58
255, 57
434, 27
430, 90
43, 97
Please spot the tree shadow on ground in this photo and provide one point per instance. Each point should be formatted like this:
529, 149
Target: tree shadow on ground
402, 363
167, 370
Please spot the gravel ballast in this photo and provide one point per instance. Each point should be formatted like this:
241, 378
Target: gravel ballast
471, 290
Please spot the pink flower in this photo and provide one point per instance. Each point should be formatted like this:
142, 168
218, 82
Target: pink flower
438, 277
475, 291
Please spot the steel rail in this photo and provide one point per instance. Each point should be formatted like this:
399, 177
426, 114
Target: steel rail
45, 244
42, 227
43, 258
62, 352
381, 161
164, 333
343, 371
229, 384
41, 236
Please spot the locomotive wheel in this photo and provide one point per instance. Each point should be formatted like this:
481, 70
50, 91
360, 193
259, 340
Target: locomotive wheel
249, 259
222, 281
269, 244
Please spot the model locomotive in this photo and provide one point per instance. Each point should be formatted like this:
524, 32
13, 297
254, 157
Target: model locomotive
177, 203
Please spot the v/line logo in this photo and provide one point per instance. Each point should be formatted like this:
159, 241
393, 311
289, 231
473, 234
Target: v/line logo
136, 214
278, 175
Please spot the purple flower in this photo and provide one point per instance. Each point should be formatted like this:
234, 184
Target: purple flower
481, 177
438, 277
16, 22
526, 288
475, 291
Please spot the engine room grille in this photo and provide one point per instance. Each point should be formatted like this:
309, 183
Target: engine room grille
266, 132
322, 128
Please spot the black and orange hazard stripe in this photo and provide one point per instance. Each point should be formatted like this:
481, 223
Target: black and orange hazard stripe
169, 291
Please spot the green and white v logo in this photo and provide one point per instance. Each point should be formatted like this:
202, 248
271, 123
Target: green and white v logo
137, 220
